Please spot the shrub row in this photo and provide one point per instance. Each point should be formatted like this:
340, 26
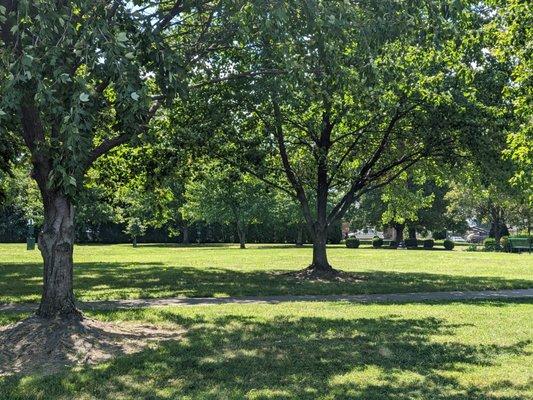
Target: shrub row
411, 243
352, 243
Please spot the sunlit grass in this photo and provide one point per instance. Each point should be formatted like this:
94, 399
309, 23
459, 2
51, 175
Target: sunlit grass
473, 350
151, 271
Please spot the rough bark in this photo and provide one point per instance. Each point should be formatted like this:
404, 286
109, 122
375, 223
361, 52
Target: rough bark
185, 234
398, 232
498, 221
320, 260
299, 238
56, 243
242, 236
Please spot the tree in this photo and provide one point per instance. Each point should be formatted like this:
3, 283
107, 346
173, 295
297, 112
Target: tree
21, 203
496, 203
403, 200
78, 79
415, 200
352, 101
508, 39
221, 193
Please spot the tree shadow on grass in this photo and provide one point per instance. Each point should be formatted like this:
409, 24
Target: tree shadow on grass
104, 281
238, 357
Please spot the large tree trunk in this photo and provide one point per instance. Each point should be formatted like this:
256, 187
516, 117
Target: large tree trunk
56, 243
320, 259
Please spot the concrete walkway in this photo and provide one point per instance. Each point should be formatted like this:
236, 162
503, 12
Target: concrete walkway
363, 298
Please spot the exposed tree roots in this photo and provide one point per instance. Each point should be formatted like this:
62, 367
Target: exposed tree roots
47, 345
313, 273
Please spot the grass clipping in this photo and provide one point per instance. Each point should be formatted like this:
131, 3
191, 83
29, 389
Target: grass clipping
40, 345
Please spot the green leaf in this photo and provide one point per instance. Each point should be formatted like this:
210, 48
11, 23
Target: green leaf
27, 60
84, 97
122, 37
64, 78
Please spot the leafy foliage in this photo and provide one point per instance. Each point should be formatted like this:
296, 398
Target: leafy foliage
377, 242
429, 243
411, 242
448, 244
352, 243
221, 193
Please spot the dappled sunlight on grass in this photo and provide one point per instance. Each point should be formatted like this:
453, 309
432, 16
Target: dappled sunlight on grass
314, 351
153, 271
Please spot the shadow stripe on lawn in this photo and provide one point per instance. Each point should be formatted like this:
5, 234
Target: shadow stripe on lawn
364, 298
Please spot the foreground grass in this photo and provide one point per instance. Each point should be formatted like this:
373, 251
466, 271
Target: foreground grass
474, 351
121, 272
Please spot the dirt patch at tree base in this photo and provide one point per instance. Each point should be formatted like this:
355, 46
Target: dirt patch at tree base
326, 275
46, 346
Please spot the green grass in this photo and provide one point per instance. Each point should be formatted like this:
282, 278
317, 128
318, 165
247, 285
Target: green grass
150, 271
461, 351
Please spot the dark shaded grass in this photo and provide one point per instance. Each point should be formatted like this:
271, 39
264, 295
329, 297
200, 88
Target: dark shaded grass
232, 356
103, 281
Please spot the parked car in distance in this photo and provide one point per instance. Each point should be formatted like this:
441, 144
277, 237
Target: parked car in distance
457, 239
475, 238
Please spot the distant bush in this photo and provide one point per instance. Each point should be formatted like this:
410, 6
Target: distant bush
490, 245
411, 243
429, 243
393, 244
472, 247
352, 243
377, 242
448, 244
505, 244
439, 235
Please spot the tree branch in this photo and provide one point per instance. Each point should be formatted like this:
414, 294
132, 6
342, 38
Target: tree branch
109, 144
175, 10
289, 172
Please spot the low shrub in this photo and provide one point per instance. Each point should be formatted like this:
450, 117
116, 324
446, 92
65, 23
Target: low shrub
505, 245
472, 247
352, 243
490, 245
377, 242
448, 244
393, 244
429, 243
411, 243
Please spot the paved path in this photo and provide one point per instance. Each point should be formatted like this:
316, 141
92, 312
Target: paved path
363, 298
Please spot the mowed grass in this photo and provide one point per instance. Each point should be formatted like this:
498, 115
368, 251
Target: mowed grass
151, 271
331, 350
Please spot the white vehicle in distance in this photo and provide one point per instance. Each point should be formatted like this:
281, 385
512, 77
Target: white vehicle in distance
457, 239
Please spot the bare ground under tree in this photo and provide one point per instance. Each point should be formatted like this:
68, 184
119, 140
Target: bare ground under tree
326, 275
47, 345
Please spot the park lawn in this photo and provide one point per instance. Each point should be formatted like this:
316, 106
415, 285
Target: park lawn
150, 271
331, 350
